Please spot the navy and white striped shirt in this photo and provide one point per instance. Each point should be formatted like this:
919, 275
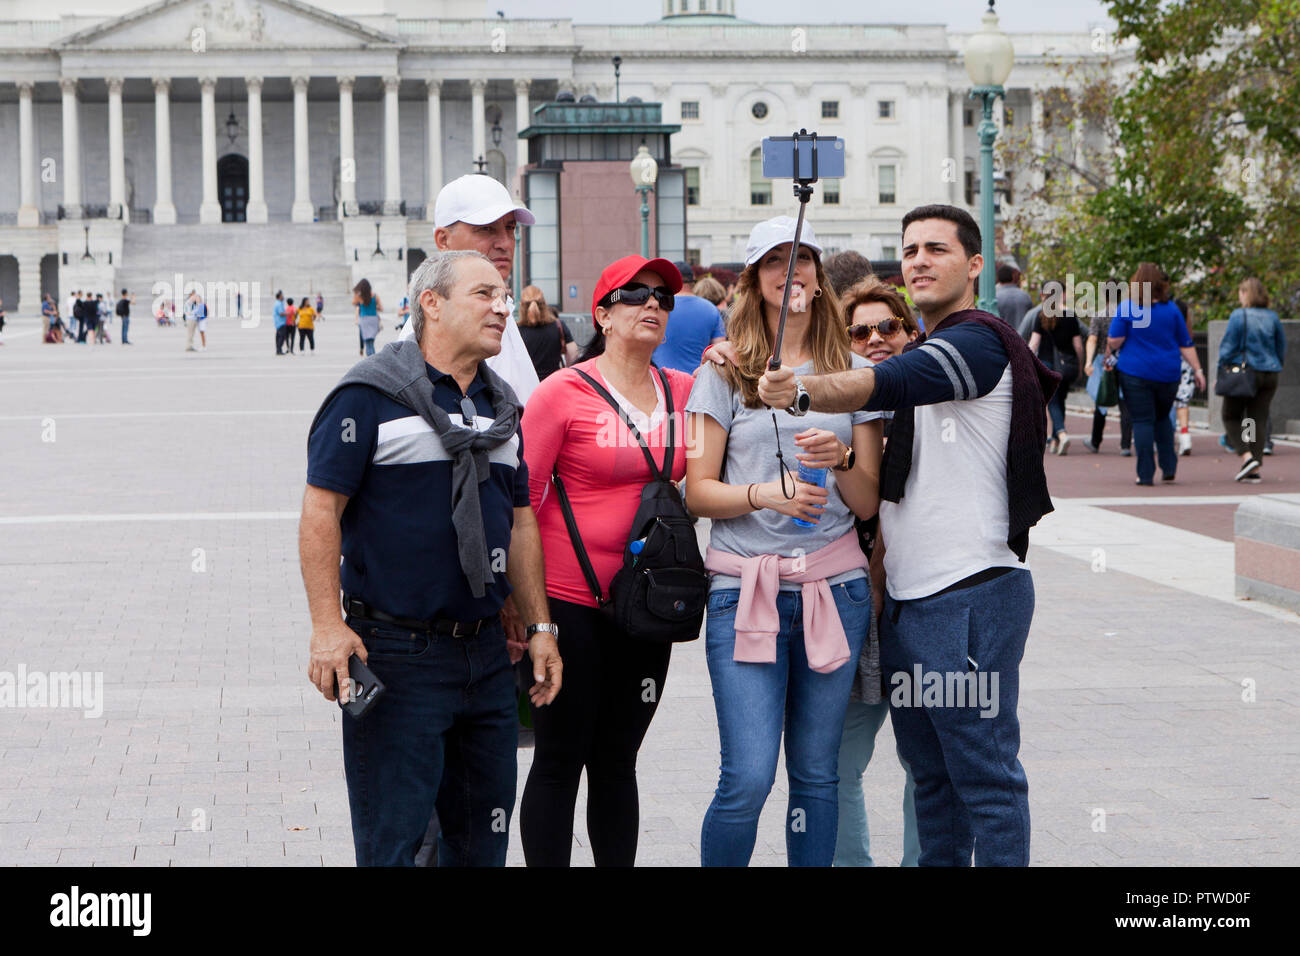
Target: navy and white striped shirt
399, 544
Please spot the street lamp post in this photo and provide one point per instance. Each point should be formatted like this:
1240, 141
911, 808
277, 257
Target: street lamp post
644, 173
989, 57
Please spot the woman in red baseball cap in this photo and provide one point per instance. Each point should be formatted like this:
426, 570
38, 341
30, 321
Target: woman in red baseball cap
612, 682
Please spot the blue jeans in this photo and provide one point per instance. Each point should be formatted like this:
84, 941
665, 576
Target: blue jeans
853, 845
445, 731
1149, 404
370, 349
754, 702
971, 791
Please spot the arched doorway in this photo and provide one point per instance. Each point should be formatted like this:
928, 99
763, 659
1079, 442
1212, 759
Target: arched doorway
414, 259
232, 187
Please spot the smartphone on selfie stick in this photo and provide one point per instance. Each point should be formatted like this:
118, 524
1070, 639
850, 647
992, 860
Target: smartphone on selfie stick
799, 157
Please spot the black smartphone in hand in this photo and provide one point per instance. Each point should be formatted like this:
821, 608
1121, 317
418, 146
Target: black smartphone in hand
366, 688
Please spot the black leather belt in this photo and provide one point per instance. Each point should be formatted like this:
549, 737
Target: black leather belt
354, 607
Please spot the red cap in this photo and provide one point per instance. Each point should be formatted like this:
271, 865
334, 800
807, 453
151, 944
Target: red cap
618, 273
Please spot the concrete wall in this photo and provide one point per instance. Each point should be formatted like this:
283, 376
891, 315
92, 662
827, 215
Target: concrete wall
1286, 404
1266, 538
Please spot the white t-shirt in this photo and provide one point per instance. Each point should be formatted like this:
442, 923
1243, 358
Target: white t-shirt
512, 363
952, 520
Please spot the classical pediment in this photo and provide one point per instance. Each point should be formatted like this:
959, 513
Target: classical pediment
202, 25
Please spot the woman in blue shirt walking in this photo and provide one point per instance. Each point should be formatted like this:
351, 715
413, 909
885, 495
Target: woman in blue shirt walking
1150, 334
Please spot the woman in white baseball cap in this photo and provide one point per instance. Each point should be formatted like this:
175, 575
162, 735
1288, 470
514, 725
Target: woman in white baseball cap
781, 552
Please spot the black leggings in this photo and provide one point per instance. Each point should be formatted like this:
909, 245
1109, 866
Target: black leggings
1237, 411
612, 687
305, 335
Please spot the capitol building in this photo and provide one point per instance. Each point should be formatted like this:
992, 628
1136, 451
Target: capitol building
300, 144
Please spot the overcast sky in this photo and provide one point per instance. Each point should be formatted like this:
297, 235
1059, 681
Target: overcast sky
1017, 16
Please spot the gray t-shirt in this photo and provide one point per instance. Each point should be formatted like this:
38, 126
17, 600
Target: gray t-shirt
1013, 303
751, 457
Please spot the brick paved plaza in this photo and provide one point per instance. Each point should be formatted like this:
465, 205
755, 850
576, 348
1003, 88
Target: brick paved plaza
148, 523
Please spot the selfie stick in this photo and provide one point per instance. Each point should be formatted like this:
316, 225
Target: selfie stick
802, 190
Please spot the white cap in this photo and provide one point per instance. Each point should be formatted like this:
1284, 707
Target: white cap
773, 232
477, 200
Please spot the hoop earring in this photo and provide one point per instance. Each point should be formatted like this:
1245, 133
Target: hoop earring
818, 293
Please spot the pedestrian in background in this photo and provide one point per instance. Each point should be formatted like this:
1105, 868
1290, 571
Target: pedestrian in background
368, 309
290, 322
548, 340
694, 325
306, 325
1013, 301
1149, 334
278, 314
1058, 341
846, 269
124, 313
1095, 367
1255, 334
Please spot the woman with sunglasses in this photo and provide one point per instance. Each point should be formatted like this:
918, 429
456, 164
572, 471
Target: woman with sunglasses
789, 599
880, 326
612, 682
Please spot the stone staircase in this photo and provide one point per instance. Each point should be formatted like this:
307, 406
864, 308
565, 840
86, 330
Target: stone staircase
254, 259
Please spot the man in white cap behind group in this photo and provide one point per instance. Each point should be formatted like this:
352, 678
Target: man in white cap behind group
475, 212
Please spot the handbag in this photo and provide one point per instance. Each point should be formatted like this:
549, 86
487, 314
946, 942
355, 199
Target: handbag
1237, 379
660, 592
1108, 389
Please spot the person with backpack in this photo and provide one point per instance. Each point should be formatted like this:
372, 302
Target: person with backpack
604, 442
789, 602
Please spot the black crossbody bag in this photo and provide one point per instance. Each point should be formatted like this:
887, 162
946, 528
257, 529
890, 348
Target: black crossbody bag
660, 592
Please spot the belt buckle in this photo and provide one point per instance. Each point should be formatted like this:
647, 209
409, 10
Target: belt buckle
457, 632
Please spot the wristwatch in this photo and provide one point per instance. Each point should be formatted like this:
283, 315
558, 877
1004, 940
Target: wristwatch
850, 456
802, 400
551, 629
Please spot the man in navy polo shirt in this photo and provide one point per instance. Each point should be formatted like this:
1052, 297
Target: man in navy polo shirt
416, 479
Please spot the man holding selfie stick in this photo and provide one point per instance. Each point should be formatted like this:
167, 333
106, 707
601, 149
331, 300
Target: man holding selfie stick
962, 483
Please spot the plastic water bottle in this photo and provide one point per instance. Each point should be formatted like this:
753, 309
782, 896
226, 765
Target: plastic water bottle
810, 476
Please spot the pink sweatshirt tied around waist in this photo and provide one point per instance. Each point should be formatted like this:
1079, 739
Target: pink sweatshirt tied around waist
757, 620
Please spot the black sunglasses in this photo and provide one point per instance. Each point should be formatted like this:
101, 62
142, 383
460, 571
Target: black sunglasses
862, 332
638, 293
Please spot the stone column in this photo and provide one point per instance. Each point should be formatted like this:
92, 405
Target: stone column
392, 148
347, 148
255, 211
210, 208
433, 165
859, 177
523, 117
71, 149
28, 214
1037, 137
478, 142
164, 212
116, 149
303, 211
957, 147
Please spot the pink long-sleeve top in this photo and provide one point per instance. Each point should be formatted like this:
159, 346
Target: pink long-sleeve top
568, 426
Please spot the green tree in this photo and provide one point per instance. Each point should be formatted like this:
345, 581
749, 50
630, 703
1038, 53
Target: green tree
1203, 176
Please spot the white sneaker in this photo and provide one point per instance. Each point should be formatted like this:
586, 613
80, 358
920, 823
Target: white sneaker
1184, 443
1063, 444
